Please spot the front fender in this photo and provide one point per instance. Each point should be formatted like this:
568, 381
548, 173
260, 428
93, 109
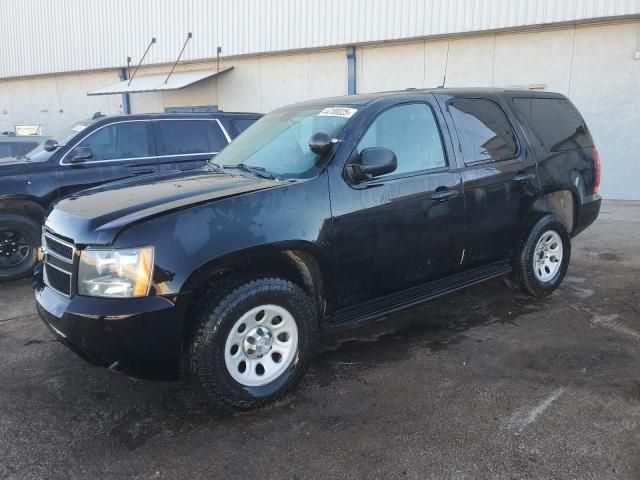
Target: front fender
186, 241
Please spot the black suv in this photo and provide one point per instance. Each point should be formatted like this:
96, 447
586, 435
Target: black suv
322, 215
93, 152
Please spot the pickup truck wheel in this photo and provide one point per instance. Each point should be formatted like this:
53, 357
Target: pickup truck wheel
544, 257
253, 341
19, 238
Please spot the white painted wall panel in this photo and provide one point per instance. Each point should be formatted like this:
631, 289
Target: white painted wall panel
40, 37
594, 65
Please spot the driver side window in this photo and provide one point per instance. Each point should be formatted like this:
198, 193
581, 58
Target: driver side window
411, 132
120, 141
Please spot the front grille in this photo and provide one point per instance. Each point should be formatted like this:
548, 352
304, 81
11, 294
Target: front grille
58, 247
58, 262
57, 279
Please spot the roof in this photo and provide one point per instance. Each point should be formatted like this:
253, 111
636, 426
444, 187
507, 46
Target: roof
159, 82
363, 99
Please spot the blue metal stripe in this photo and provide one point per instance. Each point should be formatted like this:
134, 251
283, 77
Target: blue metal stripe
126, 106
351, 70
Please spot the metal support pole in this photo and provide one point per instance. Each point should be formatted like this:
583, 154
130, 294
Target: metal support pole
178, 59
126, 106
153, 40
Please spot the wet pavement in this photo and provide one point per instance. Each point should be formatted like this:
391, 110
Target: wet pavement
480, 384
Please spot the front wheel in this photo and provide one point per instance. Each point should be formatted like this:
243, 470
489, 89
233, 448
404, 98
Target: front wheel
19, 240
543, 259
254, 339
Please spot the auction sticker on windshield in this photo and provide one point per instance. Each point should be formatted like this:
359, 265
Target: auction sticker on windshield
338, 112
78, 128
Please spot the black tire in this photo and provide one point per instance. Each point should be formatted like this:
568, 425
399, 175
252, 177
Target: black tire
524, 277
29, 230
220, 310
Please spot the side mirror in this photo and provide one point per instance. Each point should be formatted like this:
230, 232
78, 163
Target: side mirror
80, 154
321, 143
50, 145
373, 162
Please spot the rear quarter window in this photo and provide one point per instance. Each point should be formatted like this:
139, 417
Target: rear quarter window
555, 121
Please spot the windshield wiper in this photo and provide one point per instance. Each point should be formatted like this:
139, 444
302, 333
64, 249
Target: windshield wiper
259, 171
217, 167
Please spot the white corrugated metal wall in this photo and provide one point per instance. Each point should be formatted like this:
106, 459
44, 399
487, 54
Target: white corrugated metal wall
41, 37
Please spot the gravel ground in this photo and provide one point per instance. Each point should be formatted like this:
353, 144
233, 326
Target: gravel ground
480, 384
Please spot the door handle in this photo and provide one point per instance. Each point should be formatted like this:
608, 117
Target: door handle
142, 171
523, 177
444, 195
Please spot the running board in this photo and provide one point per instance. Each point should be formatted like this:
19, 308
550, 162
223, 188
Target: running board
374, 309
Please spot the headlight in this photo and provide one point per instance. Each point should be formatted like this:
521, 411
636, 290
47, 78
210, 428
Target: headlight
115, 273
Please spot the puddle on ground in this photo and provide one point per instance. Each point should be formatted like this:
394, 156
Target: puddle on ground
435, 326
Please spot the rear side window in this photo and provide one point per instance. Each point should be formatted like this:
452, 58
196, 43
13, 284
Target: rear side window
243, 123
484, 131
189, 137
556, 123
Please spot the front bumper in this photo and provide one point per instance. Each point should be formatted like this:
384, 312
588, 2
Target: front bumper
141, 337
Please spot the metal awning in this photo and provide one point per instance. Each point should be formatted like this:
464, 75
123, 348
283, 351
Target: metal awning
158, 82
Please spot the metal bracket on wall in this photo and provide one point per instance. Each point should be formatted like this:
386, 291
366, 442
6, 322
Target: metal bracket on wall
153, 40
189, 35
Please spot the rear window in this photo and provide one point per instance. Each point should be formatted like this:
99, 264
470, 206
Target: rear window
556, 123
189, 137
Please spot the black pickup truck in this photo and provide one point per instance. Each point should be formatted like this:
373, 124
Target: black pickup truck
322, 215
93, 152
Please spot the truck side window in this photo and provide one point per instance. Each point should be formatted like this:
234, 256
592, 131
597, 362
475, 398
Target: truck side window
484, 131
183, 137
411, 132
555, 122
119, 141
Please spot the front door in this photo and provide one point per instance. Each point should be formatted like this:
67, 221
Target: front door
403, 228
118, 150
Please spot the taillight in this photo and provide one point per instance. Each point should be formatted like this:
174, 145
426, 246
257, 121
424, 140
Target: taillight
597, 169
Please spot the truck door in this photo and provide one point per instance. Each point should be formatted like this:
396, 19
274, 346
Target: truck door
406, 227
112, 152
499, 176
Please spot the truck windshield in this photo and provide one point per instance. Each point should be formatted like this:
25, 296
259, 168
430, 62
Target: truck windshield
39, 154
279, 142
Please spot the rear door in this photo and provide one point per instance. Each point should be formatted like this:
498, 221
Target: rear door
185, 144
499, 175
118, 150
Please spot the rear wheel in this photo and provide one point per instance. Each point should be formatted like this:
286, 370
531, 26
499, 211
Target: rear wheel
254, 340
19, 239
543, 259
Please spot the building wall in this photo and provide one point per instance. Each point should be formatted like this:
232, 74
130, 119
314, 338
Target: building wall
593, 64
55, 101
42, 37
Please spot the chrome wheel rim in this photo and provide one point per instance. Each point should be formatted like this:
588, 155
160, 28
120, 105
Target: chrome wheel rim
547, 257
261, 345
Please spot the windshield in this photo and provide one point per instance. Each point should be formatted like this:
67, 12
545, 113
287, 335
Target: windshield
279, 141
39, 154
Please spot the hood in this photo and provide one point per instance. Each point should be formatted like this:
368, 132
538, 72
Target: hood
12, 161
96, 215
